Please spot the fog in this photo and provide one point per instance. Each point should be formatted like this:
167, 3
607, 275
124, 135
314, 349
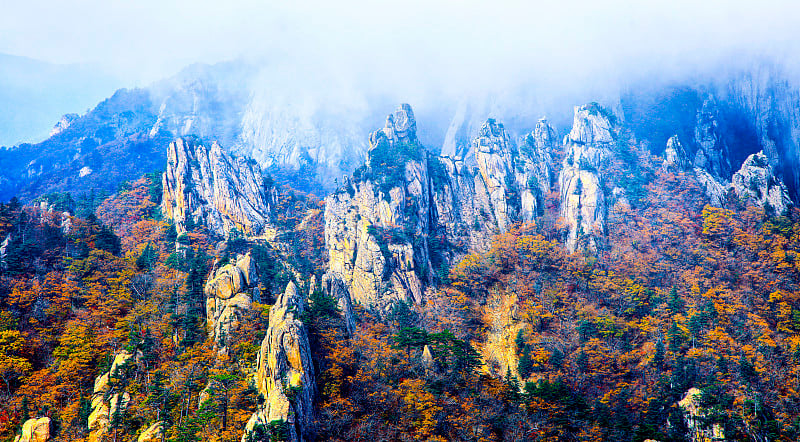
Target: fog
412, 44
493, 55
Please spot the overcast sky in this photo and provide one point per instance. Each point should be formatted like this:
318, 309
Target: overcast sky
462, 43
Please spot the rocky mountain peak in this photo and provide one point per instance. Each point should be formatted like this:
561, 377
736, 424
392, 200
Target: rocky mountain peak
583, 202
543, 135
212, 187
535, 171
63, 124
491, 137
592, 123
756, 181
380, 226
401, 127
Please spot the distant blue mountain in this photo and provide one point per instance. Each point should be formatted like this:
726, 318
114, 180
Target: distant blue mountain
35, 94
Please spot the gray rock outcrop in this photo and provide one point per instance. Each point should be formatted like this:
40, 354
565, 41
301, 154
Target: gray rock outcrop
711, 161
4, 252
495, 160
336, 289
712, 153
401, 127
229, 293
214, 188
535, 168
65, 121
583, 203
675, 155
285, 371
376, 226
756, 181
407, 209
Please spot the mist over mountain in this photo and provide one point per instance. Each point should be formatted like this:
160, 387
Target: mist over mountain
35, 94
312, 125
440, 221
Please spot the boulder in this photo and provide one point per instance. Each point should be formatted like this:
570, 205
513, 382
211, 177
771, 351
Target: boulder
35, 430
229, 294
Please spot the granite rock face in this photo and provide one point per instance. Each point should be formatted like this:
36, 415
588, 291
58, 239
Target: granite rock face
675, 155
109, 397
695, 417
757, 182
771, 101
229, 292
583, 202
285, 373
4, 252
406, 212
712, 153
535, 168
35, 430
153, 433
711, 161
375, 227
336, 289
214, 188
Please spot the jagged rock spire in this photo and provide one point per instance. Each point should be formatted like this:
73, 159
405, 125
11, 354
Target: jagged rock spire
400, 127
675, 155
285, 371
583, 203
212, 187
756, 181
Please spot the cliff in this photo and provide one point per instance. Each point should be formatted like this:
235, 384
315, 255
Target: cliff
583, 202
109, 397
211, 187
406, 213
285, 373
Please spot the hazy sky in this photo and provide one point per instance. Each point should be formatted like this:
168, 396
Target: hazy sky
449, 43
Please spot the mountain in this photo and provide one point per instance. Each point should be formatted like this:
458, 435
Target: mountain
590, 286
313, 135
36, 94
